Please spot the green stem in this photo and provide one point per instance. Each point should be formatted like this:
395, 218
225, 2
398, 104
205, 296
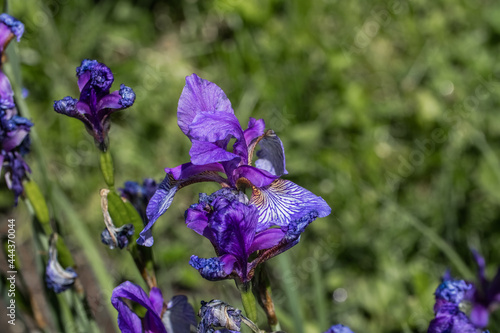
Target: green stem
248, 300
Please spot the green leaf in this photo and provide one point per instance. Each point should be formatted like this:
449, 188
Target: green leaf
37, 200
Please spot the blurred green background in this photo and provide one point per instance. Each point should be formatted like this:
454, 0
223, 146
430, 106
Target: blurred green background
387, 109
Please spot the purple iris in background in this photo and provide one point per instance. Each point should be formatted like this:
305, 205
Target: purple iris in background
486, 296
56, 277
14, 129
177, 316
231, 224
449, 318
206, 117
10, 27
339, 329
96, 103
139, 195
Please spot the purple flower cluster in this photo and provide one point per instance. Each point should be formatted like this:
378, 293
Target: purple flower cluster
231, 224
270, 221
14, 129
339, 328
96, 102
484, 297
206, 117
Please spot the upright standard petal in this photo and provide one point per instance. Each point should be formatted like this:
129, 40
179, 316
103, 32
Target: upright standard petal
284, 201
197, 96
271, 154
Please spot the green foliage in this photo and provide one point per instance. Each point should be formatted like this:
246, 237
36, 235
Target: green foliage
387, 109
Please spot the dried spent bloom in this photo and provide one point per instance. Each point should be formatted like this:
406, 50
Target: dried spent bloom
111, 235
206, 117
217, 314
177, 316
449, 318
10, 27
339, 329
96, 103
56, 277
486, 296
231, 223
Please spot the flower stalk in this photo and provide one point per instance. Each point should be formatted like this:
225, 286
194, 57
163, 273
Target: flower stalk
248, 300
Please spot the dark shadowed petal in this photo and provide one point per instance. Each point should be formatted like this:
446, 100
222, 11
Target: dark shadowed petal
271, 154
479, 315
162, 199
255, 129
266, 239
213, 269
284, 201
203, 152
213, 126
257, 177
339, 329
179, 316
197, 96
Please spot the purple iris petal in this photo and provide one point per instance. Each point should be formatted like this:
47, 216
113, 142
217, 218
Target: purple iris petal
200, 95
213, 269
257, 177
453, 291
266, 239
6, 93
10, 27
187, 170
339, 329
203, 152
127, 321
479, 315
255, 129
163, 197
284, 201
486, 296
214, 126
